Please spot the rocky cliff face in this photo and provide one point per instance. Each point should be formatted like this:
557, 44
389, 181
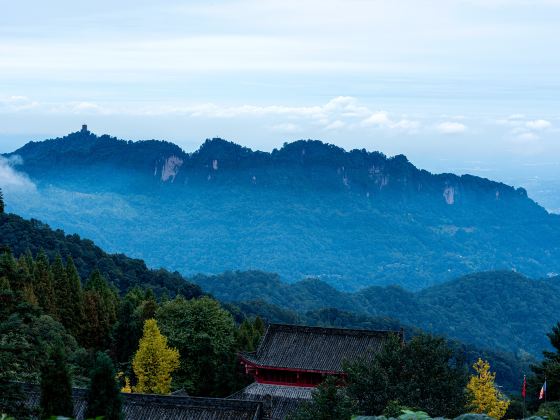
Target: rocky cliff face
353, 218
299, 165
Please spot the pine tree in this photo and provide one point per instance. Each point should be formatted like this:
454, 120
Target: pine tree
104, 398
154, 361
56, 387
100, 309
2, 207
484, 397
61, 291
75, 302
42, 284
127, 331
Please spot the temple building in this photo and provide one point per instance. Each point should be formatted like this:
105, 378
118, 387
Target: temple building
292, 360
163, 407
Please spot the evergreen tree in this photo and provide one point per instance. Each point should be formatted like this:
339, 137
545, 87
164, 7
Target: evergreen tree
104, 398
484, 397
127, 331
42, 284
61, 291
423, 373
100, 309
329, 403
75, 302
154, 361
56, 387
549, 368
249, 334
26, 280
2, 208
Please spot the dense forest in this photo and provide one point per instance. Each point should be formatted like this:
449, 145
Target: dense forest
309, 209
59, 329
499, 310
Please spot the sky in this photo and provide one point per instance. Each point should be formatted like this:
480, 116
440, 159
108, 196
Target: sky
456, 85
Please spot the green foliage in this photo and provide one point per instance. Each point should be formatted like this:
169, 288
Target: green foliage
549, 367
204, 334
307, 207
394, 409
23, 236
100, 308
414, 415
12, 398
550, 410
512, 314
424, 373
2, 206
73, 315
104, 398
56, 386
249, 334
329, 402
43, 285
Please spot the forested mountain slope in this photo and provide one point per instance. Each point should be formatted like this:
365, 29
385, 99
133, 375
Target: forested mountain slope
499, 310
309, 209
21, 236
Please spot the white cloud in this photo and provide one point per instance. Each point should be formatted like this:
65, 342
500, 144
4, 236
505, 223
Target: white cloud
381, 119
335, 125
451, 127
10, 179
538, 124
527, 137
286, 128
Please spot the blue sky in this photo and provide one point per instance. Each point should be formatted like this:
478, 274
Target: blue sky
465, 85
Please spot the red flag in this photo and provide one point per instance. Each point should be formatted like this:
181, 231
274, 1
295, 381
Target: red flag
524, 390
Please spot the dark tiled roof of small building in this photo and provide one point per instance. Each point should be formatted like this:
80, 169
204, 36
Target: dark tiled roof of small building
315, 348
164, 407
278, 400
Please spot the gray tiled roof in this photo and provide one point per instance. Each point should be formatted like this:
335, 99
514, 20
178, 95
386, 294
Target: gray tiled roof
278, 400
315, 348
165, 407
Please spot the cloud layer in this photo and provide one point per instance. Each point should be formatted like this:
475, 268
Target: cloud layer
11, 180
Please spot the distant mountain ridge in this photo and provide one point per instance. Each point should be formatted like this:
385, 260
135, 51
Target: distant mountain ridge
308, 209
301, 163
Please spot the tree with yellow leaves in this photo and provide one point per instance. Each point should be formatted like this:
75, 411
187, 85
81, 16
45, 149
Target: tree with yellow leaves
154, 362
483, 396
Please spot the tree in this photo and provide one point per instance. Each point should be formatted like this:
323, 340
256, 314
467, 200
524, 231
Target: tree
104, 398
56, 387
42, 284
61, 291
127, 331
2, 207
100, 309
329, 402
204, 334
423, 373
154, 362
549, 368
249, 334
75, 304
484, 397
